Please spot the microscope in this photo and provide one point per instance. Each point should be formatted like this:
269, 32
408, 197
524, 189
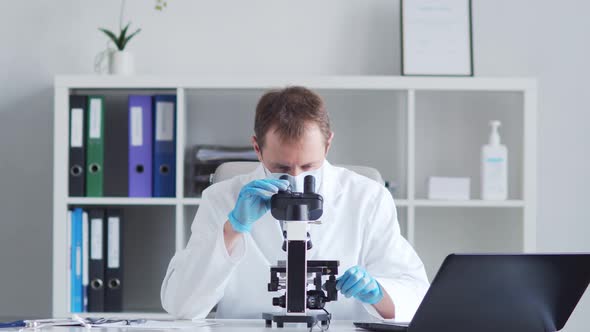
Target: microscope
301, 279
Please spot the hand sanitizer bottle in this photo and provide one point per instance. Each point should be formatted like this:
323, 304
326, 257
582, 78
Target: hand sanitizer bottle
494, 167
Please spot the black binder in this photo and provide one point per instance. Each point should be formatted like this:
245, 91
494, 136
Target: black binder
96, 287
116, 146
77, 144
114, 267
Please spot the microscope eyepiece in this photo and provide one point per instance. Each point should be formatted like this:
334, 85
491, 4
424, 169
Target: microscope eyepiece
309, 184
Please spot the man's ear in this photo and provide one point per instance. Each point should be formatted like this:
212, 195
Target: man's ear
329, 142
256, 148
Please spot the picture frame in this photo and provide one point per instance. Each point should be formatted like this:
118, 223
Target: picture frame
436, 38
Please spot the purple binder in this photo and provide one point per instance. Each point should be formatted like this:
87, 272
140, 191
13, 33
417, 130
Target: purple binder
140, 146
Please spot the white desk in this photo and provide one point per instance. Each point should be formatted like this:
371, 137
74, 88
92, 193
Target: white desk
223, 325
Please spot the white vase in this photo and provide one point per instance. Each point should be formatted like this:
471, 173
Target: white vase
121, 63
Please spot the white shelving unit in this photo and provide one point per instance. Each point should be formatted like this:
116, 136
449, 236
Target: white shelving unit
413, 99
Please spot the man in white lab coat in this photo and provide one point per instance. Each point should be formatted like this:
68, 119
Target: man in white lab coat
235, 240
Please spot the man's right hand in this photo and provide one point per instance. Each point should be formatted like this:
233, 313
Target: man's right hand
253, 202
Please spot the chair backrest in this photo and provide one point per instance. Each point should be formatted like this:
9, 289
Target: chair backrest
230, 169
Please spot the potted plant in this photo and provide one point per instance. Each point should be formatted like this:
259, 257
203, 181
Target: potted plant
121, 62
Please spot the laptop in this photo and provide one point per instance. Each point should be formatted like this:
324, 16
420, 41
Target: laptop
485, 293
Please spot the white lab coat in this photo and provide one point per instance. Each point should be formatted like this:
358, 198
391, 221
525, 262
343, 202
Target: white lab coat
359, 227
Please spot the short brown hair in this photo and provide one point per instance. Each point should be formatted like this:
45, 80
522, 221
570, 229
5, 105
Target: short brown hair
289, 111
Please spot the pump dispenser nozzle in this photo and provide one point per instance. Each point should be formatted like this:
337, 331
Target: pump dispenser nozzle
495, 135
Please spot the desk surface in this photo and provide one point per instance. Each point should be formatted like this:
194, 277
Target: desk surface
222, 325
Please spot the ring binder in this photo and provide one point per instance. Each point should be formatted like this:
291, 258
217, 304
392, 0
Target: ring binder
95, 147
114, 266
140, 146
164, 178
77, 180
96, 291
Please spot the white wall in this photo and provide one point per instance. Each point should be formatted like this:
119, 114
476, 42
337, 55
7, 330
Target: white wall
545, 39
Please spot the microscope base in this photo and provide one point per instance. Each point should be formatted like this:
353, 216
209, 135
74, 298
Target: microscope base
311, 319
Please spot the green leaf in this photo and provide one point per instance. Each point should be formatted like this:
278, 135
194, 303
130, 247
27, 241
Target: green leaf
110, 35
129, 37
121, 43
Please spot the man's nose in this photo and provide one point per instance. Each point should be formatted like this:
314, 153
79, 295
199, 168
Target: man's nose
296, 172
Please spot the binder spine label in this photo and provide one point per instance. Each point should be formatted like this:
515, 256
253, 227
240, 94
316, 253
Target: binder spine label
77, 128
164, 121
95, 118
96, 241
78, 261
136, 126
113, 243
85, 248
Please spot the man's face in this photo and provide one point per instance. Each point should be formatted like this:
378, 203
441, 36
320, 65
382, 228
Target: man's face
294, 158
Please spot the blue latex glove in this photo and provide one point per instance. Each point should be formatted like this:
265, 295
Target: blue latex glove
356, 282
253, 202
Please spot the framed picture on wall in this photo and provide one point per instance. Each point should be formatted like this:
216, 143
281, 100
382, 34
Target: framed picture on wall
436, 38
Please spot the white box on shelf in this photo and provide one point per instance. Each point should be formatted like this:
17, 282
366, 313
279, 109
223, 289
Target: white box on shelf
447, 188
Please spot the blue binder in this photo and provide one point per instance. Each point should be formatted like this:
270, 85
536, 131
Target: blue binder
140, 146
85, 259
164, 169
77, 300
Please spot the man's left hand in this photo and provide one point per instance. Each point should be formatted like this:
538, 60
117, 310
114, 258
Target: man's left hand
356, 282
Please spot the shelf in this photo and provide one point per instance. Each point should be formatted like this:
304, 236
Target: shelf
401, 202
197, 201
126, 315
121, 201
347, 82
406, 115
191, 201
441, 231
470, 203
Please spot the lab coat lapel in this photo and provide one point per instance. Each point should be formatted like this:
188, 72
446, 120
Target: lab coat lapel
330, 188
330, 192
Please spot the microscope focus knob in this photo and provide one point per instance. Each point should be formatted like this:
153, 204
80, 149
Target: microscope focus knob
279, 301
